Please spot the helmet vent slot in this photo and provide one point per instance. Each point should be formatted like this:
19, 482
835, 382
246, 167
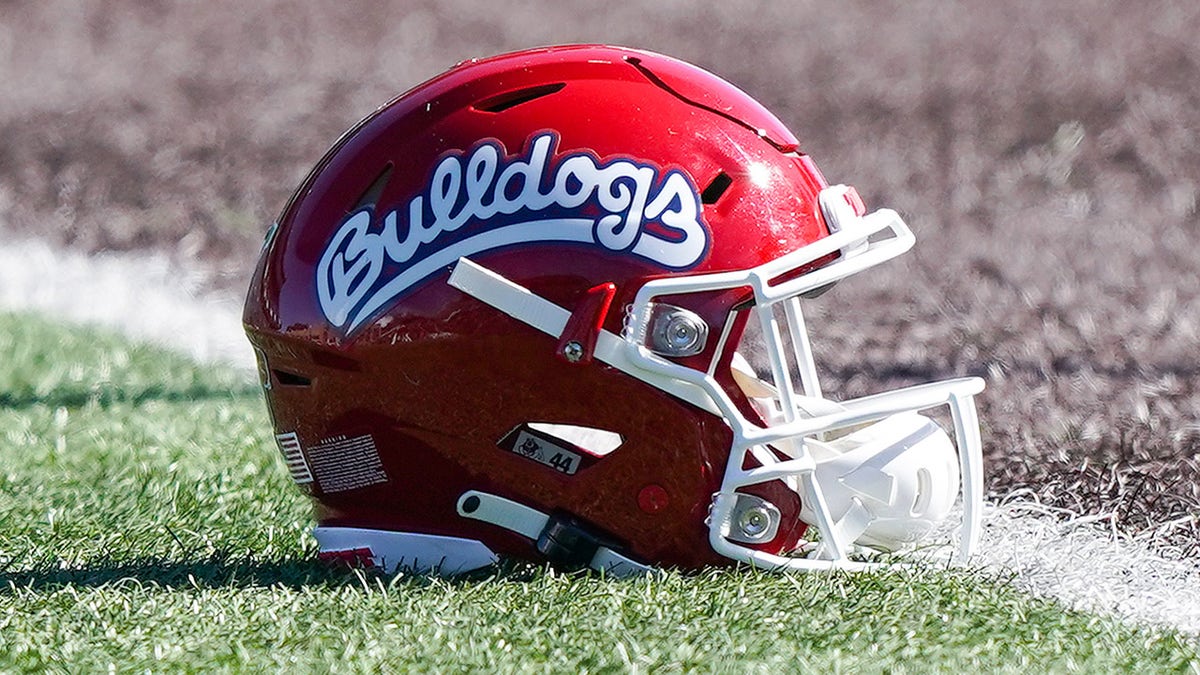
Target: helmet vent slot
370, 196
716, 187
287, 379
512, 99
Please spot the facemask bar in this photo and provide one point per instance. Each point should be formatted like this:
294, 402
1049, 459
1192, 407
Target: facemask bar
801, 354
873, 239
802, 348
864, 242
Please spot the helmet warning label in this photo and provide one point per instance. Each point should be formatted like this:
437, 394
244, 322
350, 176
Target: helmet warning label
335, 464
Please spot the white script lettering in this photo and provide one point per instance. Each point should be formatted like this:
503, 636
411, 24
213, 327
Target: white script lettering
516, 200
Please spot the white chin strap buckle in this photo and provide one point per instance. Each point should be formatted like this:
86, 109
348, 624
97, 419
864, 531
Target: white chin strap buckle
889, 484
560, 539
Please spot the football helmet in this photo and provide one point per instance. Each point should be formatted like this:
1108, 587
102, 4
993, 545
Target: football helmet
548, 305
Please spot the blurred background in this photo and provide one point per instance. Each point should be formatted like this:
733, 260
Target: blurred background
1045, 154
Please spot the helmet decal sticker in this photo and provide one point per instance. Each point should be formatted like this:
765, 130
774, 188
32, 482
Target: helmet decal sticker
293, 456
481, 199
532, 445
346, 463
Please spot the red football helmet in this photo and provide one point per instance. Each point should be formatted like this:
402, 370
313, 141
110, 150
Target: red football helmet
513, 312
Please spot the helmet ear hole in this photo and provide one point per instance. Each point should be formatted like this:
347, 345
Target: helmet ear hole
566, 448
595, 442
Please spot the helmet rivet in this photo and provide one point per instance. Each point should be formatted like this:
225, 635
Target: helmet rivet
754, 522
677, 332
573, 351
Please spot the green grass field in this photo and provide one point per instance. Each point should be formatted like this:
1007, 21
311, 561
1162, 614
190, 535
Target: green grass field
146, 524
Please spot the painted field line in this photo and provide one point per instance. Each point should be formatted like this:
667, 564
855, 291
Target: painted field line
1087, 564
143, 296
1078, 560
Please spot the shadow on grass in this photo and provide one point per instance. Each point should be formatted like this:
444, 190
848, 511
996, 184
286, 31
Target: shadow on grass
219, 572
210, 573
107, 394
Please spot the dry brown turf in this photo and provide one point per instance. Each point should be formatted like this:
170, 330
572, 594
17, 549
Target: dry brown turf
1045, 154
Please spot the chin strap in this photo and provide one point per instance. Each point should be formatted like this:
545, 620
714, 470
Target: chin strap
558, 538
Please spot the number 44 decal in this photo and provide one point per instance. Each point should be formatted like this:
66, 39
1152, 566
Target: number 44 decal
564, 462
523, 442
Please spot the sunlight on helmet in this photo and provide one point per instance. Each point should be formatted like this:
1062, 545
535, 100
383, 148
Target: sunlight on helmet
550, 305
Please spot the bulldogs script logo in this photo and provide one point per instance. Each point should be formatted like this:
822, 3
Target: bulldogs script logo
480, 200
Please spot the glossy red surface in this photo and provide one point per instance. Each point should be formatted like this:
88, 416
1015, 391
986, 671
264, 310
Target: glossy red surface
437, 378
586, 322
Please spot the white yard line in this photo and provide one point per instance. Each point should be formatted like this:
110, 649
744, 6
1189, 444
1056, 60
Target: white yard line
1077, 561
1086, 564
143, 296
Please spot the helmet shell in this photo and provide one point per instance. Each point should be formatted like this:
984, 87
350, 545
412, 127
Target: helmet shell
434, 380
